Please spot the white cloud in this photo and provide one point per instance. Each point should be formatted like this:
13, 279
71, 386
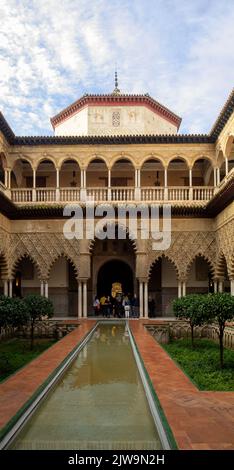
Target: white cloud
51, 53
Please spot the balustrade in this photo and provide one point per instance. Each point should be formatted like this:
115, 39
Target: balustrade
21, 195
97, 194
123, 194
113, 194
45, 195
202, 193
69, 194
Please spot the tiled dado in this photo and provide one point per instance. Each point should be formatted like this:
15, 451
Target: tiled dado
198, 420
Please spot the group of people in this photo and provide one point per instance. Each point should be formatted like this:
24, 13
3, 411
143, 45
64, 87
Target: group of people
120, 306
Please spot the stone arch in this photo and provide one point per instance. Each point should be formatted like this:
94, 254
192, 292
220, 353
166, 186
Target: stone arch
20, 166
3, 166
110, 276
97, 173
133, 241
206, 258
48, 177
205, 170
3, 160
30, 257
168, 258
152, 172
228, 145
125, 156
162, 285
203, 157
96, 157
69, 173
179, 156
221, 265
44, 159
178, 174
3, 266
232, 267
22, 158
220, 158
68, 159
65, 255
152, 157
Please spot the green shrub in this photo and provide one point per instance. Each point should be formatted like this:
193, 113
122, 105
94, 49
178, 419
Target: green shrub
219, 307
190, 308
37, 307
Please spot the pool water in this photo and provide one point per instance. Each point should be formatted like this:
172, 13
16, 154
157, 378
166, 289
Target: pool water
99, 403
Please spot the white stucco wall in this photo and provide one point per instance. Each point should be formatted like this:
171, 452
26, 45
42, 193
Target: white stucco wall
75, 125
98, 120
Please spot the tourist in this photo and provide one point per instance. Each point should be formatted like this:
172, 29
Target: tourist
108, 307
151, 305
102, 304
135, 306
118, 305
127, 306
96, 306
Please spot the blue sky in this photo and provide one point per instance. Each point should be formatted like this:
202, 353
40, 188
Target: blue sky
180, 52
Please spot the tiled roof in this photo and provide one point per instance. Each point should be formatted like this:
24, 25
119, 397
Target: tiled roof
6, 129
223, 116
113, 139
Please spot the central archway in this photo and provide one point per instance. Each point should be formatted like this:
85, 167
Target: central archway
114, 271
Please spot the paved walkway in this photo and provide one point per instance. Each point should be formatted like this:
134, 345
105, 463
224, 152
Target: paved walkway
199, 420
15, 391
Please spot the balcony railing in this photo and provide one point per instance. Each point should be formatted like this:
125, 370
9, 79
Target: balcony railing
113, 194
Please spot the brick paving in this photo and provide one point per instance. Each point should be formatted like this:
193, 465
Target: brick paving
16, 391
199, 420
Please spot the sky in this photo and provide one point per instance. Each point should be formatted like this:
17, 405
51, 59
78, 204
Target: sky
180, 52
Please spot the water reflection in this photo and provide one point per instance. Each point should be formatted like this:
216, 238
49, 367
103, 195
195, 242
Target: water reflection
100, 401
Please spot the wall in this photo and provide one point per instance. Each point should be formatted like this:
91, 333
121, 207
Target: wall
98, 120
75, 125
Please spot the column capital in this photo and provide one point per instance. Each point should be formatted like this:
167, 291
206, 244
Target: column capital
143, 279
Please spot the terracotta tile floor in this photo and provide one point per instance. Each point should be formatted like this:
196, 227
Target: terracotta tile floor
199, 420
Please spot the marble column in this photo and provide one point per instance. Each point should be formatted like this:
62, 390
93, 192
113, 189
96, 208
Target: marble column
85, 299
5, 288
79, 299
179, 289
146, 299
141, 299
46, 290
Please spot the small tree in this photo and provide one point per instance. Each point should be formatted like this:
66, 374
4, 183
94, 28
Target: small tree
4, 311
37, 307
220, 307
17, 314
190, 308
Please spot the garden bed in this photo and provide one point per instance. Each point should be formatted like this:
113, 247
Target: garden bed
202, 364
15, 353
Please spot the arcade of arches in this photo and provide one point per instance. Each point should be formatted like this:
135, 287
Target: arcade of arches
71, 281
192, 173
